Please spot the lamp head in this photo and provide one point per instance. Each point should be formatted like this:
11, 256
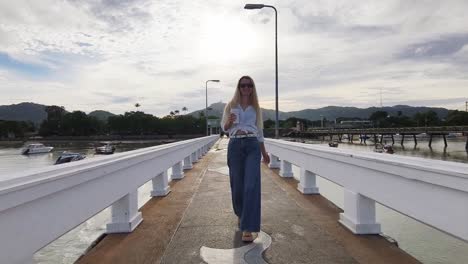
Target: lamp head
254, 6
214, 80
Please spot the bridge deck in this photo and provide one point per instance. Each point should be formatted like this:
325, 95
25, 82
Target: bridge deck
197, 213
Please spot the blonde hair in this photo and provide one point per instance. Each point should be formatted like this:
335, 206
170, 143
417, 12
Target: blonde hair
253, 100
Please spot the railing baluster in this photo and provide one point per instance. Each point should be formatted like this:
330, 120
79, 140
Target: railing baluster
188, 163
274, 162
194, 157
308, 182
286, 169
125, 214
160, 185
359, 214
177, 172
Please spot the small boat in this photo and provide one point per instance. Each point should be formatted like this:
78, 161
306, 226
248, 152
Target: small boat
105, 148
69, 157
378, 148
36, 148
388, 149
333, 144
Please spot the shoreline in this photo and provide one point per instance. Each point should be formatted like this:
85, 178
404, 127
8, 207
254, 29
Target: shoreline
103, 138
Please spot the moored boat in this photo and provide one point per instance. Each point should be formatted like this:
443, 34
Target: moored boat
388, 149
105, 148
35, 148
69, 157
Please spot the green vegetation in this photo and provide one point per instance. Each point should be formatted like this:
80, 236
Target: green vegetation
77, 123
422, 119
59, 122
384, 120
15, 128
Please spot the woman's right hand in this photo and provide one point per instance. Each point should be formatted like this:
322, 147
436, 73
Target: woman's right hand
232, 118
230, 121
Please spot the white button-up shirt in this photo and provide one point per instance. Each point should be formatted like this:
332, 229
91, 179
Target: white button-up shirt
247, 122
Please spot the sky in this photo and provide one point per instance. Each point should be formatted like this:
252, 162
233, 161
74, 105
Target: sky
111, 54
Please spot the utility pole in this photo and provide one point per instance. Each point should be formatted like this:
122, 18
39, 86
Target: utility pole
380, 97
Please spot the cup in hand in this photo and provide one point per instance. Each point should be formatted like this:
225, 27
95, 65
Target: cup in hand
236, 112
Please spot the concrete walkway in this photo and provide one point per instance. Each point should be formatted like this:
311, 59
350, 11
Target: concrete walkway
195, 224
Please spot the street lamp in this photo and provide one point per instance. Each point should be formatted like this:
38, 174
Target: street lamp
206, 104
321, 121
260, 6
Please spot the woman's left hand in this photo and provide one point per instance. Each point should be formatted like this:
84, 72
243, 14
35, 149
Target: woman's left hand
266, 158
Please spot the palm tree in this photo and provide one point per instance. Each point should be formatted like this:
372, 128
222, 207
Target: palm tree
184, 109
172, 113
176, 112
137, 105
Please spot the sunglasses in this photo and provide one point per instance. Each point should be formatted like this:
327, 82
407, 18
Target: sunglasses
243, 85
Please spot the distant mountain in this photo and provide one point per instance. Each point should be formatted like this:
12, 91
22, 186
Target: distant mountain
101, 114
215, 109
332, 112
36, 112
23, 112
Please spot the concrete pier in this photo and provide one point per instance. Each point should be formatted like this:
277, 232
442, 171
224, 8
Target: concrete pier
194, 223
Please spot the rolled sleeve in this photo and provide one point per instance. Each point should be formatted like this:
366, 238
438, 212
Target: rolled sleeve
260, 137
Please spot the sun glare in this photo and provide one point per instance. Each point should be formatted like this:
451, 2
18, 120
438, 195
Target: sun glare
226, 39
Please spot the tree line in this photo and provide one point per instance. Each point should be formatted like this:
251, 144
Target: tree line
381, 119
59, 122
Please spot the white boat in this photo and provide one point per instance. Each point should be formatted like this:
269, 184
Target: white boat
105, 148
35, 148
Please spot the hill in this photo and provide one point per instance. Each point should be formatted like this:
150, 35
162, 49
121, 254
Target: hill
36, 112
332, 112
101, 114
23, 112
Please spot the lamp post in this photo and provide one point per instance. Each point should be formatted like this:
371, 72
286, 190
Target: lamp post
206, 103
321, 121
260, 6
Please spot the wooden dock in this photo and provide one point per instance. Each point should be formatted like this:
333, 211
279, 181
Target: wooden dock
378, 134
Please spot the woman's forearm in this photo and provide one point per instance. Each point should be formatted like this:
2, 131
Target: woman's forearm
263, 149
227, 126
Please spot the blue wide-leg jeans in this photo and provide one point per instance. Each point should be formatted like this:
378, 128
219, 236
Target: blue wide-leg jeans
244, 173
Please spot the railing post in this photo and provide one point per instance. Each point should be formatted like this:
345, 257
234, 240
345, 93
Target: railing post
308, 182
188, 163
359, 214
286, 169
125, 215
177, 172
199, 153
274, 162
160, 186
194, 157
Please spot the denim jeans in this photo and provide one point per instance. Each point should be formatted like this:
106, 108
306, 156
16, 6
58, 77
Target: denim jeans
244, 173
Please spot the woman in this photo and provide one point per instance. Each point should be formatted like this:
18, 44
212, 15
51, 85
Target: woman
242, 119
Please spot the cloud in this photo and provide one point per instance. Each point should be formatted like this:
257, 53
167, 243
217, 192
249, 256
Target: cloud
115, 53
83, 44
437, 48
26, 69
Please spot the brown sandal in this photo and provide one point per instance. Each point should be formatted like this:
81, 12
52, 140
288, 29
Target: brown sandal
249, 236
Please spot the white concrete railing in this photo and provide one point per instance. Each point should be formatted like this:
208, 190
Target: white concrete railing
430, 191
39, 206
